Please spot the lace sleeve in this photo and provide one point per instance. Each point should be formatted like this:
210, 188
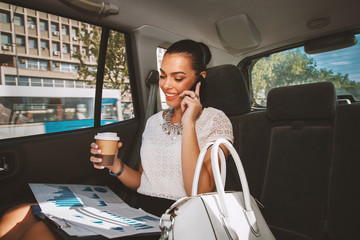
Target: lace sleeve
221, 127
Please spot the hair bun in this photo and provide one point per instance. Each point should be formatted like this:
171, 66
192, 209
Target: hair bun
206, 52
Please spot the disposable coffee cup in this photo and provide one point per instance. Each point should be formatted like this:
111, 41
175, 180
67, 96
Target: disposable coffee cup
107, 142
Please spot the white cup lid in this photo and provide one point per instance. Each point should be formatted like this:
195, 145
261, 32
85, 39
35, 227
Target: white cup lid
107, 136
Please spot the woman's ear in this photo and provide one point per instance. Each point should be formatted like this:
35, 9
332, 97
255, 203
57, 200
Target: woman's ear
203, 74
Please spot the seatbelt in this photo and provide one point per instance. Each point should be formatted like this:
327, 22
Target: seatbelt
153, 104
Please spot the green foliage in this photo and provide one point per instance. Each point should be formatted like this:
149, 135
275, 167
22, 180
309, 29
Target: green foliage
116, 69
292, 68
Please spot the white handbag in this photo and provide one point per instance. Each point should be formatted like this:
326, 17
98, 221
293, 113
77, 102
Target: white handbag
216, 215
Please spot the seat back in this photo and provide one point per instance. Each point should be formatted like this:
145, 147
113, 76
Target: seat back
344, 194
224, 88
286, 151
297, 173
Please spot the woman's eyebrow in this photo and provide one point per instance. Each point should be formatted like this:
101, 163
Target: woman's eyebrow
173, 73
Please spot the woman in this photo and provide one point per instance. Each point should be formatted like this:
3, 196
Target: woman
171, 143
173, 138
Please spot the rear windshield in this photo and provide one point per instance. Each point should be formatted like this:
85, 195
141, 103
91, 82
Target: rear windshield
294, 66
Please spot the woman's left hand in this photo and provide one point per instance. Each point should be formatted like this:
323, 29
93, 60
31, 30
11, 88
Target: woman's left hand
190, 105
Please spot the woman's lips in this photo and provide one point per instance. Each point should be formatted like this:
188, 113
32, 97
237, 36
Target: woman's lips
171, 96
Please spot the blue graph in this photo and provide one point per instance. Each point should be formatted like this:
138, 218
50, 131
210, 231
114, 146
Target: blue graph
100, 189
87, 189
146, 218
95, 196
65, 198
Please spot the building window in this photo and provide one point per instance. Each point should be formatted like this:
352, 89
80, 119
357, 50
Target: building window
69, 84
4, 17
44, 65
55, 28
48, 82
59, 83
66, 48
24, 81
20, 41
5, 39
19, 20
22, 63
56, 66
75, 33
79, 84
31, 22
10, 80
65, 67
33, 43
65, 30
84, 51
35, 82
55, 46
74, 68
32, 64
44, 44
44, 25
75, 48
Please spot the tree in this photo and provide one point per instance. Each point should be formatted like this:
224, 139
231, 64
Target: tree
116, 70
292, 68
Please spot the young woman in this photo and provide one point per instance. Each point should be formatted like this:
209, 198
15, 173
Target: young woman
171, 143
173, 138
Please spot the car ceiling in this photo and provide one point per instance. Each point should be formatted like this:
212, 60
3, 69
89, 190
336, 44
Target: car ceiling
280, 22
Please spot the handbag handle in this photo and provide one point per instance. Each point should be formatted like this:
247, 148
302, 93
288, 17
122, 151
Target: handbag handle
222, 162
249, 213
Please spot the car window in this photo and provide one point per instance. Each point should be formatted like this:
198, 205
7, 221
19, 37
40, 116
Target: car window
48, 74
160, 52
294, 66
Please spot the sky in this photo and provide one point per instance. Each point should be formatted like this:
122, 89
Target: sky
345, 61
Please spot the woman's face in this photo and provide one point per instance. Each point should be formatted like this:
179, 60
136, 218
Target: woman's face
176, 76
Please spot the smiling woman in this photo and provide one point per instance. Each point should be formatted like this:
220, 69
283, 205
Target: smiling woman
168, 158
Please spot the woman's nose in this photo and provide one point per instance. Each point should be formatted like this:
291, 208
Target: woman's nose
167, 83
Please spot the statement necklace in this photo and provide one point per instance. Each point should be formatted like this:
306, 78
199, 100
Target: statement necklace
171, 129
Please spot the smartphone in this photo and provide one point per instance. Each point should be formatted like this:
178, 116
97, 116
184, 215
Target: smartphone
193, 86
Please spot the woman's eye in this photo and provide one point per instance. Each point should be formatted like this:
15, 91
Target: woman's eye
162, 76
179, 79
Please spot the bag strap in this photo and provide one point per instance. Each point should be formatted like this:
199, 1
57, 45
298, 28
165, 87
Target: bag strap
194, 189
249, 213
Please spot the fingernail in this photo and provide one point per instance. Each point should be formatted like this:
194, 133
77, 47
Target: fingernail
96, 146
99, 151
99, 160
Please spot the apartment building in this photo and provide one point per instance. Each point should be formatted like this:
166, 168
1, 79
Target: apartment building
33, 40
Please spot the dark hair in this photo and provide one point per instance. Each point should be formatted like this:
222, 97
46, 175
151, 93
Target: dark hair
198, 52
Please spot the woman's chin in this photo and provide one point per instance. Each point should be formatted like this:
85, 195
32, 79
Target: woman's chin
172, 104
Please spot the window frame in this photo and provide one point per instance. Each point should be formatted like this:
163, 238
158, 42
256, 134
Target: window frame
100, 71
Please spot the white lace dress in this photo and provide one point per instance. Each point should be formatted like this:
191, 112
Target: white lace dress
161, 154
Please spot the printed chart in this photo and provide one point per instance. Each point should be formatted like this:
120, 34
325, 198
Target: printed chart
84, 210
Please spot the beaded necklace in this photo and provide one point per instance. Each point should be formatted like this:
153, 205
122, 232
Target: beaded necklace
171, 129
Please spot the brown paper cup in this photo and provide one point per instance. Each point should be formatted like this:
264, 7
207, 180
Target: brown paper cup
107, 142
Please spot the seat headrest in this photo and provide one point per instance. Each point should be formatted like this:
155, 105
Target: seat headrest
305, 102
224, 88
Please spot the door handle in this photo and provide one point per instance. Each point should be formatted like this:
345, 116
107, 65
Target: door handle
4, 164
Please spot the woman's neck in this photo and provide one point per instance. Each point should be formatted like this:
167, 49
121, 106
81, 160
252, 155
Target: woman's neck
177, 115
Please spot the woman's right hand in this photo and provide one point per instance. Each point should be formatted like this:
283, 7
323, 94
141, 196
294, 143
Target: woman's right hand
97, 161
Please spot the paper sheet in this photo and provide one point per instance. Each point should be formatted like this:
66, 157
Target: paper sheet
84, 210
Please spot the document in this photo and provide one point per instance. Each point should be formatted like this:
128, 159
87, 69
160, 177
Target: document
85, 210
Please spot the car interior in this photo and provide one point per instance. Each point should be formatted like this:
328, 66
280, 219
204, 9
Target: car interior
286, 73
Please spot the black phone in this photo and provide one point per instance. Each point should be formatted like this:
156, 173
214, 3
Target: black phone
193, 86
